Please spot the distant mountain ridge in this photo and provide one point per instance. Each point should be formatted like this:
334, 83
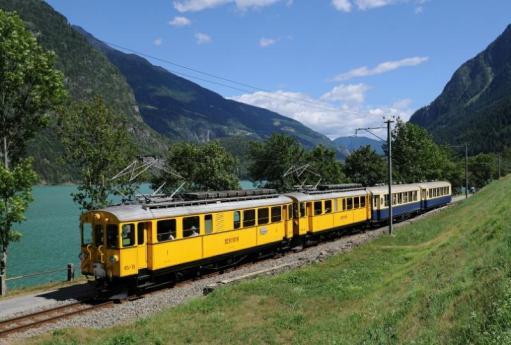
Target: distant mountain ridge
475, 105
183, 110
349, 144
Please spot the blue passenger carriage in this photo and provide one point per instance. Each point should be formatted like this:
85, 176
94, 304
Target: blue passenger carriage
435, 194
405, 201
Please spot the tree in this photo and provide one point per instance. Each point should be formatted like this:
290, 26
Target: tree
365, 166
200, 166
97, 143
415, 156
482, 169
30, 87
271, 159
323, 161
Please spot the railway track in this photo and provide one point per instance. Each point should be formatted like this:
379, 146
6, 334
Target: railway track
24, 322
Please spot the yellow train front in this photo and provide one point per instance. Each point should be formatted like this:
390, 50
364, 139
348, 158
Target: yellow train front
144, 244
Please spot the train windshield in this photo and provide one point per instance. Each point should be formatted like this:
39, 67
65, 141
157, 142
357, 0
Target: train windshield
86, 229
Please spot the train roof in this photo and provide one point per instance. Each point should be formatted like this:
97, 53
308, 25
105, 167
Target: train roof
435, 184
128, 213
300, 196
398, 188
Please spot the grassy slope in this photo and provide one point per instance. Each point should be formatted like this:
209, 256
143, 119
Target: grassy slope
442, 280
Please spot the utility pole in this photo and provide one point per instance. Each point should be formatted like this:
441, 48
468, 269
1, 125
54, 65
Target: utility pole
389, 170
389, 163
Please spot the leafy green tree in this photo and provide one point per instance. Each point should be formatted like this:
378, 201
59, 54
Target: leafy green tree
272, 158
30, 87
323, 161
98, 145
365, 166
200, 166
482, 169
415, 156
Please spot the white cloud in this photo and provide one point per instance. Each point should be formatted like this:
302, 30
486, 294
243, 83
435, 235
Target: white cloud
363, 5
158, 41
351, 93
246, 4
381, 68
331, 119
202, 38
180, 21
342, 5
266, 42
200, 5
369, 4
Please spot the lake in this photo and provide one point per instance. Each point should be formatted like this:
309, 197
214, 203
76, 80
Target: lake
51, 237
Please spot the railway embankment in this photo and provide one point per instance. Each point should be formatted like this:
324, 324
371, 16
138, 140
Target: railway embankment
444, 279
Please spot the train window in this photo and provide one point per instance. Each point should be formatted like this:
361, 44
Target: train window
394, 198
405, 197
263, 215
399, 198
328, 206
140, 233
318, 208
208, 223
237, 219
166, 230
303, 210
415, 196
362, 201
86, 233
290, 211
112, 236
356, 202
344, 204
128, 235
376, 198
248, 218
386, 200
191, 226
349, 202
276, 216
98, 235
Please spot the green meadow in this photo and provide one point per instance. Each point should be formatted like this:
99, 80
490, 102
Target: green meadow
445, 279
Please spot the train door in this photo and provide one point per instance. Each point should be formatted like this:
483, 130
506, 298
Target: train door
310, 216
143, 230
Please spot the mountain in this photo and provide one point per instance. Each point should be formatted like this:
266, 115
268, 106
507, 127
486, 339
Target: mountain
475, 105
87, 73
182, 110
347, 145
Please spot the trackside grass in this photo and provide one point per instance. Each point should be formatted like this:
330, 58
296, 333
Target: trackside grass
442, 280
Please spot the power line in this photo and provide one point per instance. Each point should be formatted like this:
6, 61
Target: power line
251, 88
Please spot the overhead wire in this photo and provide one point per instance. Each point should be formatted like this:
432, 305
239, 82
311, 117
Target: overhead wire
251, 88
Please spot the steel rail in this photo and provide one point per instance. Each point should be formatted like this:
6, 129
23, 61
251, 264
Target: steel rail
24, 322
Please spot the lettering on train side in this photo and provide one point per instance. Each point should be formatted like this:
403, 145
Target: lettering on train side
343, 216
232, 240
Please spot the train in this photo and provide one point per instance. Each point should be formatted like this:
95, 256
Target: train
157, 240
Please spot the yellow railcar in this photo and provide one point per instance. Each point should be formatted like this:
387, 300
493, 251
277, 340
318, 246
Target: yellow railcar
321, 211
143, 241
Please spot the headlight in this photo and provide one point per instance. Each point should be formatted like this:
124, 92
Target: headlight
113, 259
81, 256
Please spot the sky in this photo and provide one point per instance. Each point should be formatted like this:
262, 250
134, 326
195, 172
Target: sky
334, 65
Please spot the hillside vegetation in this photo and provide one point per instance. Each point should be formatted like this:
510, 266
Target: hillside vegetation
475, 106
442, 280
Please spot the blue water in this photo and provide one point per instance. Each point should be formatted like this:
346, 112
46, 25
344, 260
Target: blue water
51, 237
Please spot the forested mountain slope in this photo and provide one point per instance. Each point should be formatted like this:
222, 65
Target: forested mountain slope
183, 110
475, 106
